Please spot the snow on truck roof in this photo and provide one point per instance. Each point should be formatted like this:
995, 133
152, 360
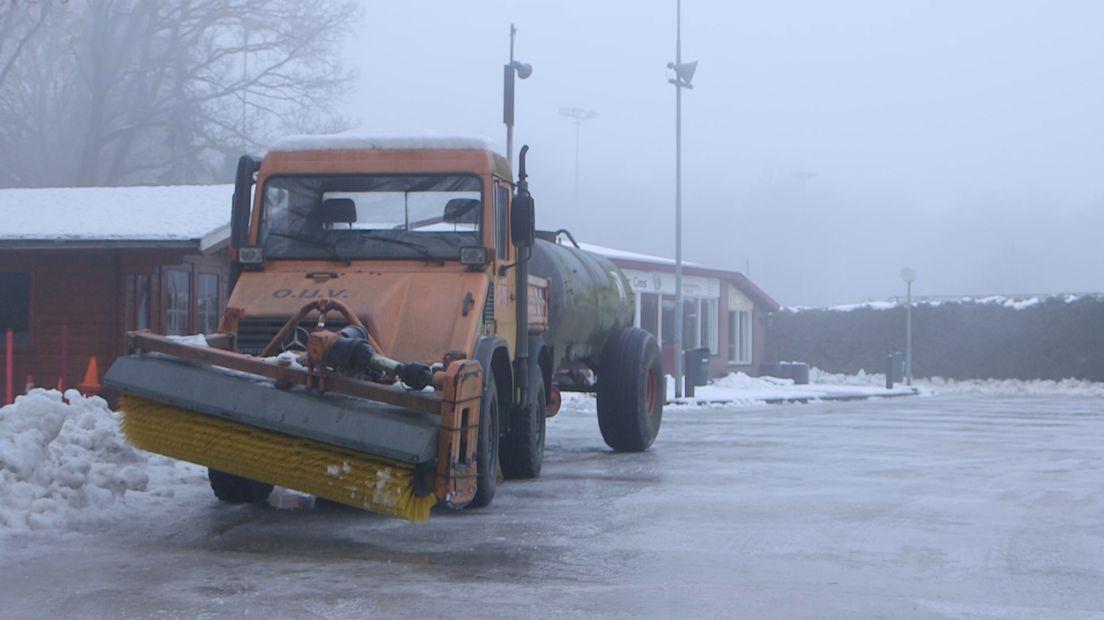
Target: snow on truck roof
94, 214
350, 141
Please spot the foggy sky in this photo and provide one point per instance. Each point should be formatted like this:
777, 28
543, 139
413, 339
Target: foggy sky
826, 145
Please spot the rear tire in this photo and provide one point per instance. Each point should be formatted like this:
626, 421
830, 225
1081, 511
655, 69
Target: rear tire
237, 490
523, 445
486, 454
631, 390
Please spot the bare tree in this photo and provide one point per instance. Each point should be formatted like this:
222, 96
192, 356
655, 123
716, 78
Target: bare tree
129, 91
20, 21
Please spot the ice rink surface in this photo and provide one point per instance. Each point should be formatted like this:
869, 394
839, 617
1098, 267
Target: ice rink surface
949, 506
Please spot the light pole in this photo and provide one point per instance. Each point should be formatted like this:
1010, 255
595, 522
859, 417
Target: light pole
579, 115
908, 275
523, 71
684, 72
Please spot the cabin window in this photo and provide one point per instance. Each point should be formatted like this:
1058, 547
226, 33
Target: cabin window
178, 300
141, 301
15, 307
207, 303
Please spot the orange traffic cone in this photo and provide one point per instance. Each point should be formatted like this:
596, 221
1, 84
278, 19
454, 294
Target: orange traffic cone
91, 384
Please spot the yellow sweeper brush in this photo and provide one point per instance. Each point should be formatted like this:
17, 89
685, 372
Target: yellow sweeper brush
317, 430
323, 470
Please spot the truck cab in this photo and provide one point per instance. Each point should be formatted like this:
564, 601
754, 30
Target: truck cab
411, 234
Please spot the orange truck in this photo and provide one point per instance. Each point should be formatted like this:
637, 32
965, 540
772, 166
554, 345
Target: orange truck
396, 335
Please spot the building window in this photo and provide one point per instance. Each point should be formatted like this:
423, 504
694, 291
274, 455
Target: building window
739, 337
178, 289
207, 303
15, 307
502, 242
709, 325
141, 301
691, 313
667, 327
649, 313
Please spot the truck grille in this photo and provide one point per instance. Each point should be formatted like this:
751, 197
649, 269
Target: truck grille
254, 333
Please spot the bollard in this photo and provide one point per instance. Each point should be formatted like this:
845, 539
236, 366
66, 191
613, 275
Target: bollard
889, 372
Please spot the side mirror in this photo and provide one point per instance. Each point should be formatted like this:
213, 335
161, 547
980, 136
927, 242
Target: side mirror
243, 200
523, 221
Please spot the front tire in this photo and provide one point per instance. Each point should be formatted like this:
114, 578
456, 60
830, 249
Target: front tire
523, 445
631, 390
486, 454
237, 490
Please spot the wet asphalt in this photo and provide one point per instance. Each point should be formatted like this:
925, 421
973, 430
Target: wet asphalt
956, 506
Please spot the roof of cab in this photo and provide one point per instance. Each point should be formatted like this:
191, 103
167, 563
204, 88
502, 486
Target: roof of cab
355, 141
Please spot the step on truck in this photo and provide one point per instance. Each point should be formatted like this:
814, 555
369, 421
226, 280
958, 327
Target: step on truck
396, 335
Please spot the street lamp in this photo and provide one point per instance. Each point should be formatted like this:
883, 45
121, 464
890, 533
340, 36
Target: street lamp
579, 115
908, 275
684, 72
523, 70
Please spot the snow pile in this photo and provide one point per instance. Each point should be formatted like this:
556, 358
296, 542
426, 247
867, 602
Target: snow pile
939, 385
58, 459
1013, 302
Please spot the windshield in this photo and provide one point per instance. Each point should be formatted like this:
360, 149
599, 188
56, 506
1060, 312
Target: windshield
344, 217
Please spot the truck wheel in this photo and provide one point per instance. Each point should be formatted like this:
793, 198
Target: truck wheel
486, 454
238, 490
523, 445
630, 390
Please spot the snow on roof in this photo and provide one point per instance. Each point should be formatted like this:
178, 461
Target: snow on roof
163, 213
352, 140
644, 258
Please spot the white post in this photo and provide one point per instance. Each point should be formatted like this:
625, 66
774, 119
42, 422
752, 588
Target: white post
679, 326
908, 336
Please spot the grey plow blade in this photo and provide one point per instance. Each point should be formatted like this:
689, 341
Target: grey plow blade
354, 423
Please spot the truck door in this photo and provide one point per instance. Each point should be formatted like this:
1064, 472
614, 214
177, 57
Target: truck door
503, 280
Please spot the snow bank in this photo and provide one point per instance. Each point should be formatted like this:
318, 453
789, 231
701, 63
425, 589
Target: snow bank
939, 385
60, 460
1013, 302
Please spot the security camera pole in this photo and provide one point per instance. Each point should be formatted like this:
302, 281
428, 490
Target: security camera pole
523, 71
684, 72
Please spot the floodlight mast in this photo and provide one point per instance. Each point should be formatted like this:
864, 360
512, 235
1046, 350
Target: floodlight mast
684, 72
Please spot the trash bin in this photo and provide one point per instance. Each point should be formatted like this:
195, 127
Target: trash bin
696, 363
799, 372
770, 369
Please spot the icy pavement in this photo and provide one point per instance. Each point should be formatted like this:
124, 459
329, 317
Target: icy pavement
958, 505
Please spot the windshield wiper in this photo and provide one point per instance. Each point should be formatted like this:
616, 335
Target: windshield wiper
419, 248
318, 243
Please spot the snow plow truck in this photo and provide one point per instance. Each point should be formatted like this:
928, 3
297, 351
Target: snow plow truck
396, 334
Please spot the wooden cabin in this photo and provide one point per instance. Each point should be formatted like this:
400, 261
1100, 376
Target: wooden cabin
79, 267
